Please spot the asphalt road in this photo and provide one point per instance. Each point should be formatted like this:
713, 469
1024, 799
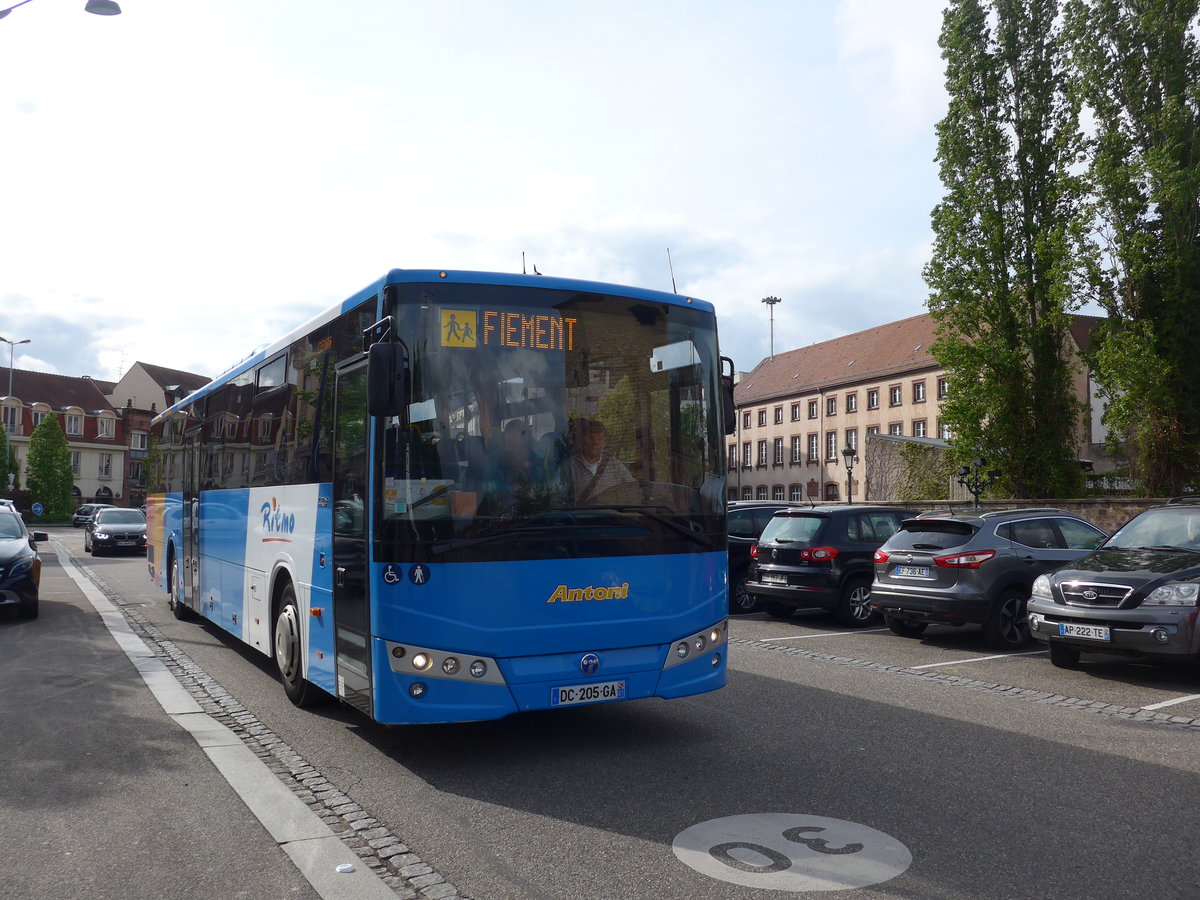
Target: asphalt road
830, 758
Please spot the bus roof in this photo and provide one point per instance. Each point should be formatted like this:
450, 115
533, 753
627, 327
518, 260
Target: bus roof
424, 276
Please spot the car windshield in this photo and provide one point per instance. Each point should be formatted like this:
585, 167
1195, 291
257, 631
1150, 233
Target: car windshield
119, 517
1166, 528
793, 528
9, 527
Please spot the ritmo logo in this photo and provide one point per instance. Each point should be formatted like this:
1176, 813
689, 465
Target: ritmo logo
277, 525
564, 594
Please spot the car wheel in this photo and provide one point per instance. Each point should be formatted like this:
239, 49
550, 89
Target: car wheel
1064, 656
854, 608
778, 610
289, 650
1008, 625
29, 609
740, 599
905, 627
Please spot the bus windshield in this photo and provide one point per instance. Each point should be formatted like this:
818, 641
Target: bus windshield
550, 424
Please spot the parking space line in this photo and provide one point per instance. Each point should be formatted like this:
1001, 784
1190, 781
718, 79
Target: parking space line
955, 662
797, 637
1173, 702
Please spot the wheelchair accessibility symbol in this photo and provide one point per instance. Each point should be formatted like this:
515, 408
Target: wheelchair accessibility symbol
390, 576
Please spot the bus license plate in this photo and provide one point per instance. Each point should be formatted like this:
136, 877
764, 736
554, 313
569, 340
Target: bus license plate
1090, 632
587, 693
911, 572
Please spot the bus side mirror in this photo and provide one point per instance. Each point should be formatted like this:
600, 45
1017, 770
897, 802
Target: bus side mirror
728, 410
387, 380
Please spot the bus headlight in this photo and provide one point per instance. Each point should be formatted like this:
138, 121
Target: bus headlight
421, 661
450, 665
682, 649
478, 669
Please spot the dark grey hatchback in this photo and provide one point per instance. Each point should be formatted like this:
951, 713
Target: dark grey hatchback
821, 557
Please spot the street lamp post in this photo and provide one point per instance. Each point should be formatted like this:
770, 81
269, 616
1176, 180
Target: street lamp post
95, 7
771, 301
975, 480
848, 455
11, 346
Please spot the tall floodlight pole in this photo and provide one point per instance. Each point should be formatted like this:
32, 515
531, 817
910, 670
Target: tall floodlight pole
771, 301
11, 346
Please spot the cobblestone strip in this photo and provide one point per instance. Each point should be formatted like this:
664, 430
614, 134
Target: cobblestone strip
1008, 690
379, 849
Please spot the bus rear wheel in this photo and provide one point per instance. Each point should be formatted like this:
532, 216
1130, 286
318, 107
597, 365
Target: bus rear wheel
289, 652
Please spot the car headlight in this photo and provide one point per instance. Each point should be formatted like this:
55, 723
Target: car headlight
1177, 593
21, 567
1041, 589
103, 535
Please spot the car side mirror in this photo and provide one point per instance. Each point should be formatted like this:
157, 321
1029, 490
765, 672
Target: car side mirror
39, 536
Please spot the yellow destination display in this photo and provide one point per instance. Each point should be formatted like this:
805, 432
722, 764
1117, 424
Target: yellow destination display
496, 328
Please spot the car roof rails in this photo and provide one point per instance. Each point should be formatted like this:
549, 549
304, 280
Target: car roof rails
1184, 498
993, 513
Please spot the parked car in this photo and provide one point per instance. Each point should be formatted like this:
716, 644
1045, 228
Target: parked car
1136, 595
115, 530
821, 557
974, 569
747, 519
20, 565
85, 512
6, 504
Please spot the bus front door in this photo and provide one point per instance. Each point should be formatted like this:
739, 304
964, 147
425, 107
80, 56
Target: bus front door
351, 516
190, 525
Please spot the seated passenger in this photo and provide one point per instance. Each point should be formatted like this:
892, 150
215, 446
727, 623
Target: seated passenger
592, 470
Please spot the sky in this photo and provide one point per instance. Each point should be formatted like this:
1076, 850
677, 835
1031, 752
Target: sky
187, 181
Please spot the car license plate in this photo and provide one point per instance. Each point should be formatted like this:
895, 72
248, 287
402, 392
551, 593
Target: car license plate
1089, 632
911, 572
587, 693
774, 579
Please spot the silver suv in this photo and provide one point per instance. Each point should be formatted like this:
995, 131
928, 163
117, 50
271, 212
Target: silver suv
974, 569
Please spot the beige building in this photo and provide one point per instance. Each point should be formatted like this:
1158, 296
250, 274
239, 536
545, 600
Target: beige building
798, 411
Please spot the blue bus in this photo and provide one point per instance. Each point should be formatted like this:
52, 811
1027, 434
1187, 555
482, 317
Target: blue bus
461, 495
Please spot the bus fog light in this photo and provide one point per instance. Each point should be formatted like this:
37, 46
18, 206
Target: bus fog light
714, 636
398, 652
1161, 635
450, 665
421, 662
478, 668
699, 643
682, 649
716, 660
417, 689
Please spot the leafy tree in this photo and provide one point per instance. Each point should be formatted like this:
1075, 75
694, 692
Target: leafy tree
1139, 74
48, 470
1005, 268
926, 474
8, 462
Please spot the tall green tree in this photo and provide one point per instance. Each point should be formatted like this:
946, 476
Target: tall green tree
8, 462
1139, 74
48, 470
1004, 275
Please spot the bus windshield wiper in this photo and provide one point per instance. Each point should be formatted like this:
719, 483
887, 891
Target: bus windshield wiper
649, 512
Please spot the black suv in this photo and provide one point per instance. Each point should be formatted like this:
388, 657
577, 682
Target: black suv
747, 519
821, 557
1137, 594
974, 569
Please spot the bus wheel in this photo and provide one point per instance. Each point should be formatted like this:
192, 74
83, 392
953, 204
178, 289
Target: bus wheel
178, 609
289, 652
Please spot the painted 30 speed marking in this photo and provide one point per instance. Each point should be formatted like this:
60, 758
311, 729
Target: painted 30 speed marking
791, 852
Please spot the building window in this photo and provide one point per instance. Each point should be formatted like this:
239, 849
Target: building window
794, 493
38, 417
812, 409
12, 419
896, 428
797, 450
873, 398
747, 493
139, 440
873, 429
733, 456
135, 473
779, 415
814, 453
75, 463
831, 447
944, 431
918, 392
747, 459
104, 427
851, 403
762, 418
779, 451
852, 439
105, 465
762, 454
831, 491
795, 412
762, 492
919, 428
777, 492
831, 406
942, 388
745, 420
74, 424
895, 395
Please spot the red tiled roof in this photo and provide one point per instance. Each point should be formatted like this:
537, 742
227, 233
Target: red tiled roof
871, 355
58, 391
165, 377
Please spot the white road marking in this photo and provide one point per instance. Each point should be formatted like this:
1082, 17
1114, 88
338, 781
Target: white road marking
797, 637
1173, 702
955, 662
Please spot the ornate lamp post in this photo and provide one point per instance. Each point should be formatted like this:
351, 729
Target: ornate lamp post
975, 480
848, 455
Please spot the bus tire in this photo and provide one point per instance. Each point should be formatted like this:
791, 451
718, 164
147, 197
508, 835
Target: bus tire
289, 652
175, 597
